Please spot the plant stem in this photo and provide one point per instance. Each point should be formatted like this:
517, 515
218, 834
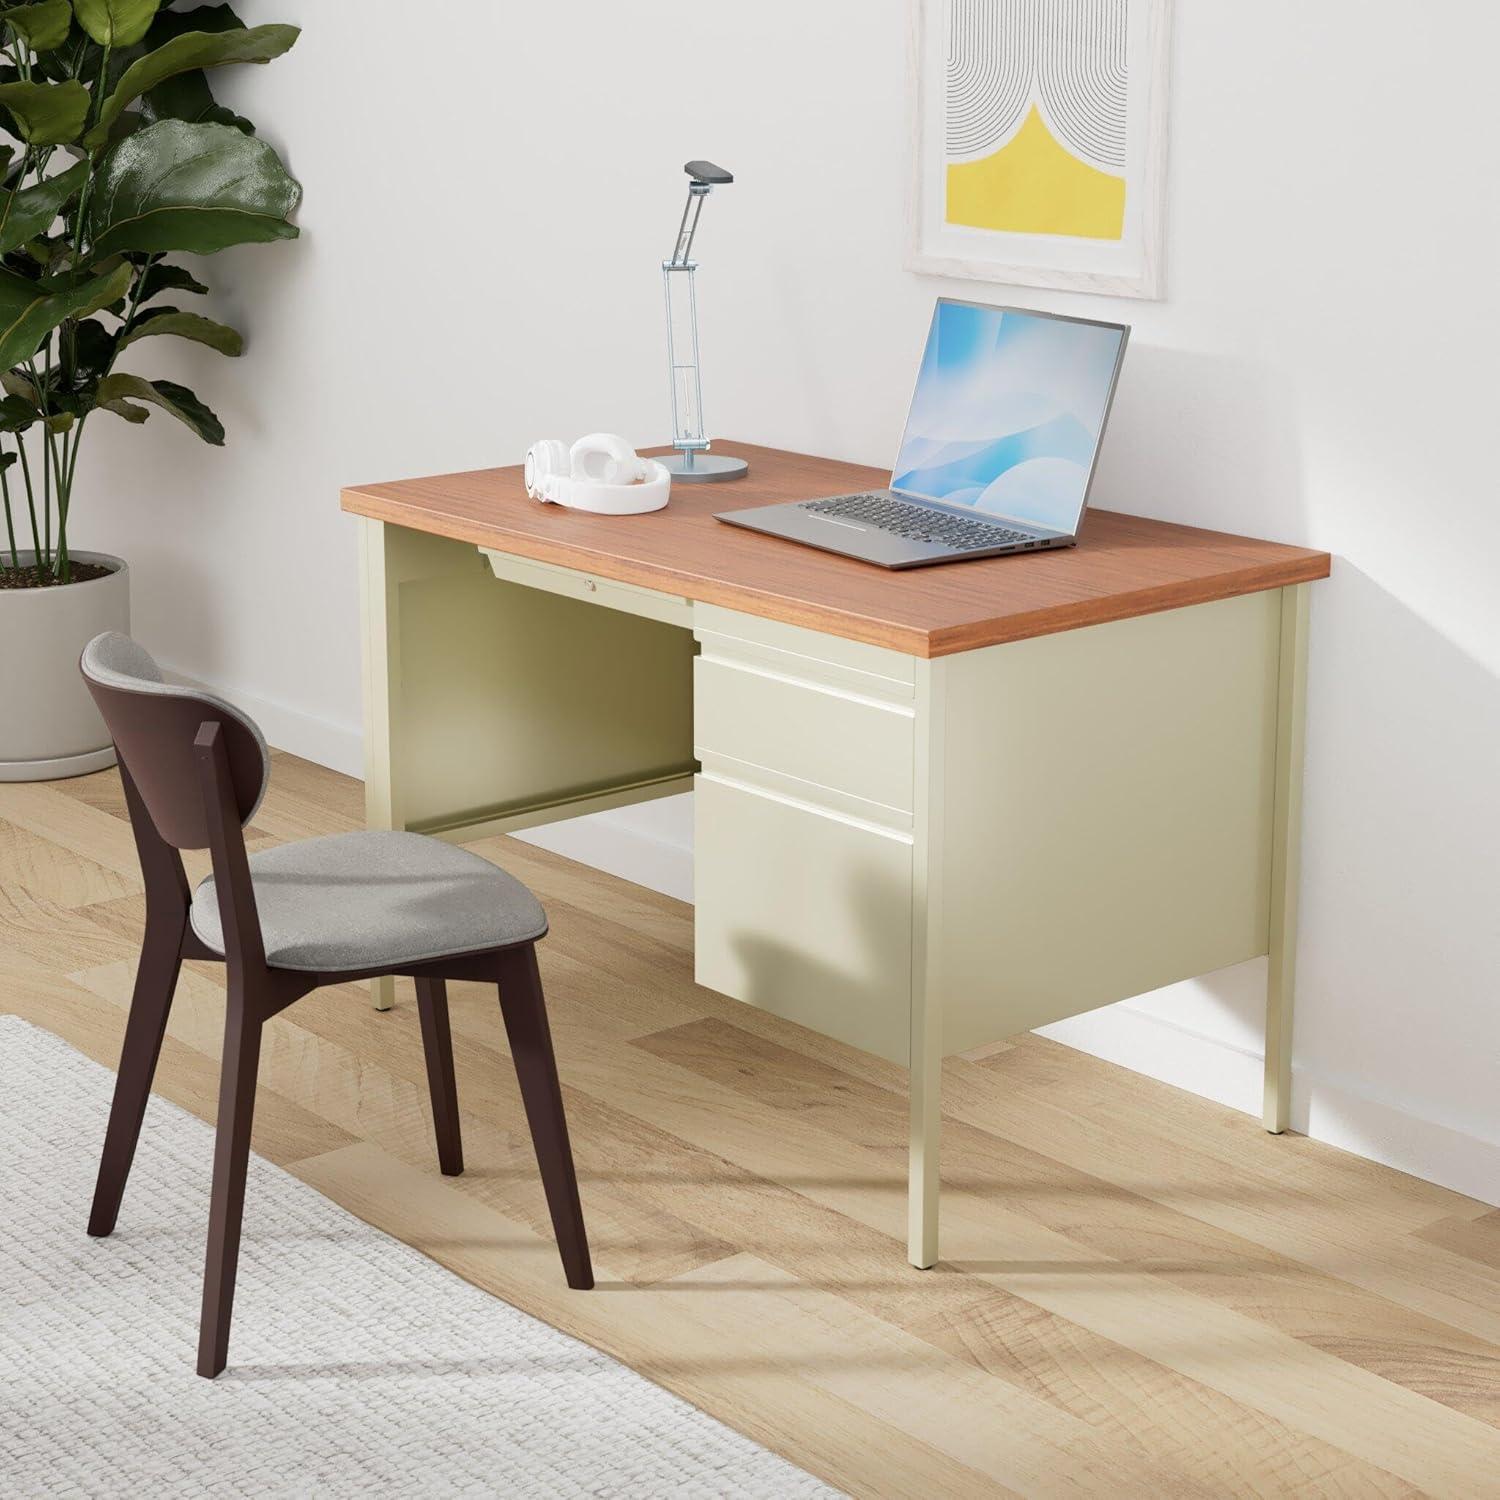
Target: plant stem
39, 383
95, 105
36, 540
64, 562
10, 525
135, 303
73, 457
47, 503
73, 441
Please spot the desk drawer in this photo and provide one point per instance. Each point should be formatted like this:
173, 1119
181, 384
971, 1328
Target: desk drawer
804, 913
830, 736
670, 609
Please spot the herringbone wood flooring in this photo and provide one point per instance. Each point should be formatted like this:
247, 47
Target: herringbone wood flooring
1141, 1293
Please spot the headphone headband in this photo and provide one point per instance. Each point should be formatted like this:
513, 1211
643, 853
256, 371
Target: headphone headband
600, 472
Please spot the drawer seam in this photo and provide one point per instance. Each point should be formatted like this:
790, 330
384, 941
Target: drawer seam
863, 700
847, 819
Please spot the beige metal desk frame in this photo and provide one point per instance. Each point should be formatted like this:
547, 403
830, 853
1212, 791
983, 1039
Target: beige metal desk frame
917, 854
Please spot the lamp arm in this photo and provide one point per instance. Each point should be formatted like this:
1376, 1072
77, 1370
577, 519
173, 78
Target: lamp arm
692, 211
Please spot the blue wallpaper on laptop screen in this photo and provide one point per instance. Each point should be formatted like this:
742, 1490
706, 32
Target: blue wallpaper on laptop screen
1007, 413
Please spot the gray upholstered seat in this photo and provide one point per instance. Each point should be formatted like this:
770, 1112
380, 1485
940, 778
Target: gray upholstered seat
375, 900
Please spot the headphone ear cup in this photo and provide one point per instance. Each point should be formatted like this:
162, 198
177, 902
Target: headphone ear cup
548, 459
605, 459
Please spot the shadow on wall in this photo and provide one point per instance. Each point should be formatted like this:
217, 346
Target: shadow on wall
1400, 937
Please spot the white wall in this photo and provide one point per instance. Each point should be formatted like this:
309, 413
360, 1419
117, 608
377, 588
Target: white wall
489, 192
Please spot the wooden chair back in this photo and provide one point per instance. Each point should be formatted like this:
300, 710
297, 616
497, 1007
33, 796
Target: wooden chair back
154, 725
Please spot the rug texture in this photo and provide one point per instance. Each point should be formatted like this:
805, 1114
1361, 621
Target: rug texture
358, 1366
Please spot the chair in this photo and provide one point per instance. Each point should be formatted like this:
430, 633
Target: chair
287, 920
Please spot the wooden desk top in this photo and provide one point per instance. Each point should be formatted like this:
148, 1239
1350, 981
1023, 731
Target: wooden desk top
1123, 565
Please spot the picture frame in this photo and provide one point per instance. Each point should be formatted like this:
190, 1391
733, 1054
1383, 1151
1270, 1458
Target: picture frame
1038, 133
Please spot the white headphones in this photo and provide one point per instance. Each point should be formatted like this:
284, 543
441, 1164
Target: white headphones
600, 472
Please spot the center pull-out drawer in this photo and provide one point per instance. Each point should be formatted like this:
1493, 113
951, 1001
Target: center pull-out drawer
670, 609
804, 913
829, 736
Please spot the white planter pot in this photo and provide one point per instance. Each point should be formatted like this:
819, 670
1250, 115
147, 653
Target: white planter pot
49, 726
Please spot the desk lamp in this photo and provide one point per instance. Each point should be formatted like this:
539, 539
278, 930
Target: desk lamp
692, 462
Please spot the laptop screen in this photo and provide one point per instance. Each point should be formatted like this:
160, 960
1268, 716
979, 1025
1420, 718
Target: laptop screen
1008, 412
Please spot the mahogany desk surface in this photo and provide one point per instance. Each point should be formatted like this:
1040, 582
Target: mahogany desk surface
1123, 565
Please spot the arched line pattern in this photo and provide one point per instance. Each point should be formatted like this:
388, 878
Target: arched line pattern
991, 75
1081, 77
1066, 56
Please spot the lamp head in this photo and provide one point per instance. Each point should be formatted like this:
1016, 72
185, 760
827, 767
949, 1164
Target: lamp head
706, 174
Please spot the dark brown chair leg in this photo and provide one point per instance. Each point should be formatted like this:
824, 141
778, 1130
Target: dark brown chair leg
437, 1043
146, 1025
525, 1012
242, 1027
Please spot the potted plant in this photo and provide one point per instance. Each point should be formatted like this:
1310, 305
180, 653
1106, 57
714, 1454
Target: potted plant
120, 157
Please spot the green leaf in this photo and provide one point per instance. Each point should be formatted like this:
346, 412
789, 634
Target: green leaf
30, 211
199, 188
187, 326
193, 50
170, 23
42, 26
29, 312
46, 114
127, 409
177, 399
19, 386
159, 277
16, 415
188, 97
59, 421
70, 60
116, 23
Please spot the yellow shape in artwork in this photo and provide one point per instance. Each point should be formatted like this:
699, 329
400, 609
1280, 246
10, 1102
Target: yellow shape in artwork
1034, 185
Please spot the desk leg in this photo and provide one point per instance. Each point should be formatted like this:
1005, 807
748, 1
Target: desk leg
922, 1166
380, 634
1285, 857
926, 1057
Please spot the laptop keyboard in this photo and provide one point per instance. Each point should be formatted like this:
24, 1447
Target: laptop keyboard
916, 523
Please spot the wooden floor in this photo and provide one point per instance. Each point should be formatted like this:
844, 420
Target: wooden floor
1141, 1293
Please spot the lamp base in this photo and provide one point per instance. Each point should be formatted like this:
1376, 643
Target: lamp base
702, 468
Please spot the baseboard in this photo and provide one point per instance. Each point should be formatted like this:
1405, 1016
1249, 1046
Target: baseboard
649, 844
322, 741
654, 849
1330, 1110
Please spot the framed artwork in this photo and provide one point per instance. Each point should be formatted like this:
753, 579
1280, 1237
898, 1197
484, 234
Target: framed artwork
1040, 142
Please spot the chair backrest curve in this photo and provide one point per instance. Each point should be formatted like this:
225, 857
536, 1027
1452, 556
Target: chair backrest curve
154, 723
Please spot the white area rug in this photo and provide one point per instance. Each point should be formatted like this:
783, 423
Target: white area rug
357, 1367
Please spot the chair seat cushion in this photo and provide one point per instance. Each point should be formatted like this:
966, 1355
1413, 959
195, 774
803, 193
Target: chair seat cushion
370, 900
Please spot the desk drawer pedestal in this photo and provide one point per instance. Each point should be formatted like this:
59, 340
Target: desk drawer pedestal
804, 828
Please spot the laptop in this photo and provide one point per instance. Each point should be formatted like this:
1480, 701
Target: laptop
999, 451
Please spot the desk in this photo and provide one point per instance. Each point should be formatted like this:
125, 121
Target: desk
933, 808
